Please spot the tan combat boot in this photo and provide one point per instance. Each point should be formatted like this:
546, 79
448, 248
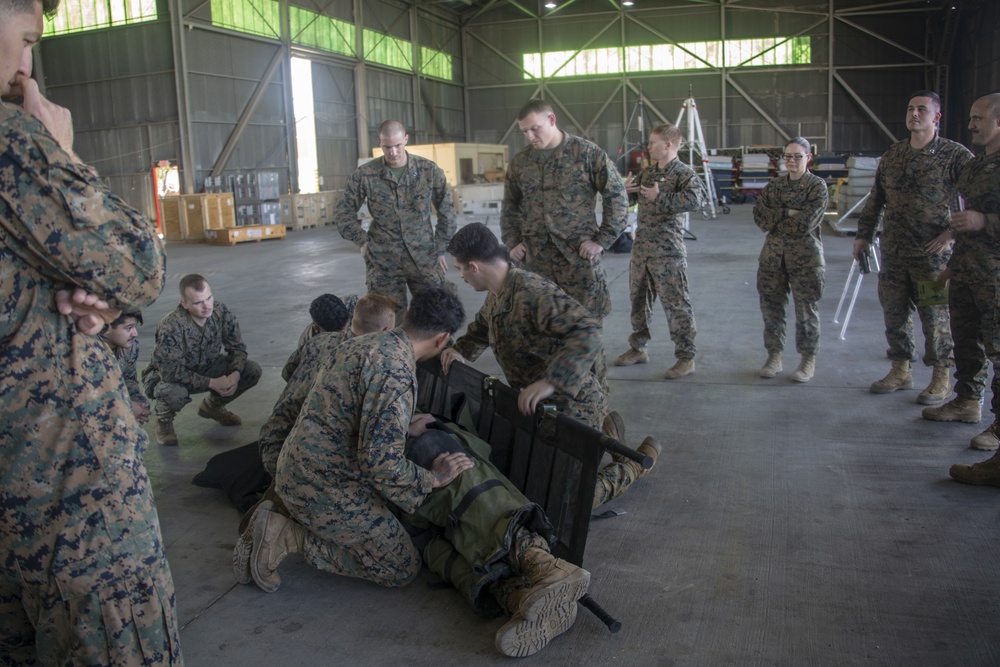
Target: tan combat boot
957, 409
274, 537
614, 426
209, 410
806, 369
680, 369
938, 389
898, 378
631, 356
165, 434
772, 366
986, 473
519, 637
988, 440
554, 583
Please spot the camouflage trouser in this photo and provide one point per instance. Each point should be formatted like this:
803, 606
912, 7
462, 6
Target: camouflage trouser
359, 538
584, 280
389, 274
171, 398
897, 292
123, 614
651, 277
775, 279
975, 326
590, 406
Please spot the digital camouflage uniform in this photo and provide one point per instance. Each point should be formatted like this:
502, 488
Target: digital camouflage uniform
127, 360
537, 331
84, 578
791, 259
319, 351
295, 358
343, 465
403, 247
311, 330
913, 187
549, 205
973, 292
658, 267
186, 357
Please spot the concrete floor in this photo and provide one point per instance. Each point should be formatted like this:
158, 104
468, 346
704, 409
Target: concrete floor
785, 524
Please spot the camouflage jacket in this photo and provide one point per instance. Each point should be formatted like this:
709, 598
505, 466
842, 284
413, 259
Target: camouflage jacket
554, 200
401, 210
295, 358
127, 360
349, 439
73, 489
660, 223
977, 255
797, 238
912, 187
537, 332
317, 352
184, 351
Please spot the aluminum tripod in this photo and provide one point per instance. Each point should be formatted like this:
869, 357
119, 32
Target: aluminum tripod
696, 148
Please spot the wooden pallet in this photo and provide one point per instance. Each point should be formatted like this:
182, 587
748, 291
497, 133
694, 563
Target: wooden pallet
234, 235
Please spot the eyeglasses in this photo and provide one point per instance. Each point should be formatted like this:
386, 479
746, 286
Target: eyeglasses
794, 157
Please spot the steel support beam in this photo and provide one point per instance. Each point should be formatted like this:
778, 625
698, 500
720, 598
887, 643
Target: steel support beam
864, 107
248, 111
183, 106
759, 109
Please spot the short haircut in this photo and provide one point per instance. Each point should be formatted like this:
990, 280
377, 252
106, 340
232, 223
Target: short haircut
534, 106
476, 243
390, 127
993, 99
374, 312
804, 143
669, 132
12, 7
935, 98
328, 312
192, 280
433, 310
120, 320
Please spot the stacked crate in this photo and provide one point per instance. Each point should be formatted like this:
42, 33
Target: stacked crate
186, 217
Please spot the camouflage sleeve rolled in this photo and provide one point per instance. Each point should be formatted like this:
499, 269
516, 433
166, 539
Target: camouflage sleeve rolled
870, 214
446, 216
127, 360
511, 213
614, 215
69, 225
346, 214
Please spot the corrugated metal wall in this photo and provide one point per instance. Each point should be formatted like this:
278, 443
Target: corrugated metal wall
223, 72
122, 96
795, 98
